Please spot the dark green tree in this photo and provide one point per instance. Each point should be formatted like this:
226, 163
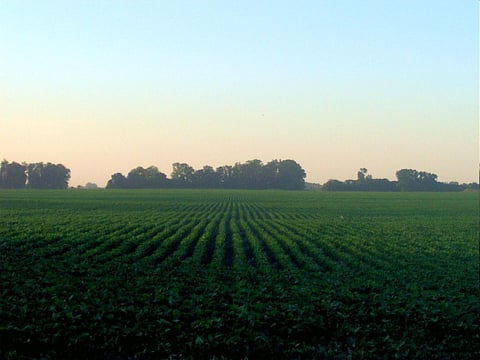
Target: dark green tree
182, 175
334, 185
12, 175
155, 179
57, 176
250, 175
413, 180
270, 174
253, 174
225, 176
34, 176
364, 182
149, 178
290, 175
361, 174
47, 176
117, 181
206, 178
136, 178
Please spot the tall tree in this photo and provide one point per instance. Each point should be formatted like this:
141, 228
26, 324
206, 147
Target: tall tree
154, 178
12, 175
47, 176
34, 176
57, 176
251, 175
270, 174
224, 175
361, 174
334, 185
136, 178
182, 175
206, 178
290, 175
117, 181
413, 180
149, 178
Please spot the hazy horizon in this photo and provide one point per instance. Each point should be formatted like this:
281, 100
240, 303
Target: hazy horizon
103, 87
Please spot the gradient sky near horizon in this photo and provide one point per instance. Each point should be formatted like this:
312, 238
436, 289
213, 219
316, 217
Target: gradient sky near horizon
105, 86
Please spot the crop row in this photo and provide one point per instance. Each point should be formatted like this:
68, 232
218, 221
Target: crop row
203, 274
233, 233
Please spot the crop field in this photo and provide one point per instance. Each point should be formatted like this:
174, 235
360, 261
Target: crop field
180, 274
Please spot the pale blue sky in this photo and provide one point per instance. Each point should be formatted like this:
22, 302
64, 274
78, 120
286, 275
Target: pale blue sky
105, 86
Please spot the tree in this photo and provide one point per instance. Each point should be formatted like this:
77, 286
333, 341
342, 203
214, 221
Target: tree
250, 174
413, 180
364, 182
361, 174
270, 174
34, 175
182, 175
117, 181
224, 175
56, 176
12, 175
47, 176
91, 186
206, 178
380, 185
154, 178
253, 174
149, 178
88, 186
136, 178
334, 185
290, 175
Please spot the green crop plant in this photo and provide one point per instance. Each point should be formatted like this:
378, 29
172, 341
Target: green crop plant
238, 274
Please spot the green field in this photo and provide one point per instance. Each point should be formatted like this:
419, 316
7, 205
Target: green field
234, 274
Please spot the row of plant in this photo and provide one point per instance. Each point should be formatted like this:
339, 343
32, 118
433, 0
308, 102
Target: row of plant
342, 242
203, 274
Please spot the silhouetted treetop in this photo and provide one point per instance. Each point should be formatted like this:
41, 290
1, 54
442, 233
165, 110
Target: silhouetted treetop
407, 180
33, 176
253, 174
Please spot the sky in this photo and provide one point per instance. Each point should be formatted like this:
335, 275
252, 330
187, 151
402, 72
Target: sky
336, 85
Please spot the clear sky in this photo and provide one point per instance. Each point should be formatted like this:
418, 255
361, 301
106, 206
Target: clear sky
105, 86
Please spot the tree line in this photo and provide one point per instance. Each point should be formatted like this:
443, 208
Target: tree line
253, 174
407, 180
33, 176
